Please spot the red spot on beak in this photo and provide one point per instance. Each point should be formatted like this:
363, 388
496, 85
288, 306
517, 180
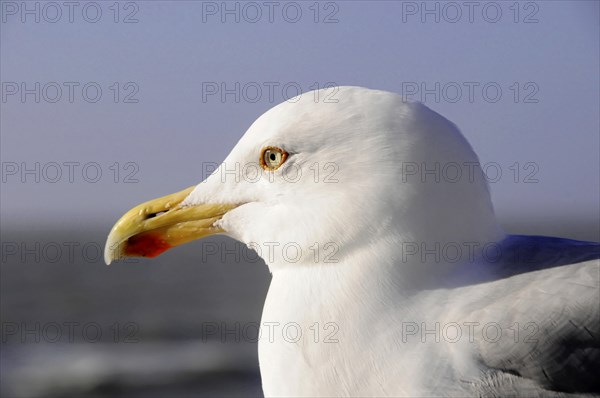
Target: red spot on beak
146, 245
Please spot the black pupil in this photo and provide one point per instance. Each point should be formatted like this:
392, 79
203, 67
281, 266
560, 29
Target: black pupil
272, 156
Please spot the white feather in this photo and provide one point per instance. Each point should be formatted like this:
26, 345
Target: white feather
369, 210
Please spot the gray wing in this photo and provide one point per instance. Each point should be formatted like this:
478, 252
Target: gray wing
549, 317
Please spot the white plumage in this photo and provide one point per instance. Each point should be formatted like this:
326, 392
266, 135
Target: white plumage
390, 282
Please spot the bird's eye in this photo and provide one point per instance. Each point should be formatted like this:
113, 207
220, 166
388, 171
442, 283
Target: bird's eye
272, 157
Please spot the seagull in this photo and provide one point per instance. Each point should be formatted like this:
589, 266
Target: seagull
390, 273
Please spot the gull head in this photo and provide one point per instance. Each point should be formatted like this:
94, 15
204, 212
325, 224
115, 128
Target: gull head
322, 174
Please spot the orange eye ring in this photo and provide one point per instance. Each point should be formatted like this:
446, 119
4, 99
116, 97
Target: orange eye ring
272, 157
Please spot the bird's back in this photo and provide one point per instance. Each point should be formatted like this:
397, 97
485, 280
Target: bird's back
547, 301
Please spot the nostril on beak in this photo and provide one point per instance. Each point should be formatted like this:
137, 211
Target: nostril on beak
152, 215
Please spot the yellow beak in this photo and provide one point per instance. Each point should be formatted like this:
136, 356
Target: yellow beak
155, 226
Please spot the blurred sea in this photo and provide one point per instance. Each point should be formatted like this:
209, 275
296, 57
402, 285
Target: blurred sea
180, 325
74, 327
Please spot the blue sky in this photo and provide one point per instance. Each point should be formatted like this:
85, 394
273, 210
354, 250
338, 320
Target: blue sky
543, 56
